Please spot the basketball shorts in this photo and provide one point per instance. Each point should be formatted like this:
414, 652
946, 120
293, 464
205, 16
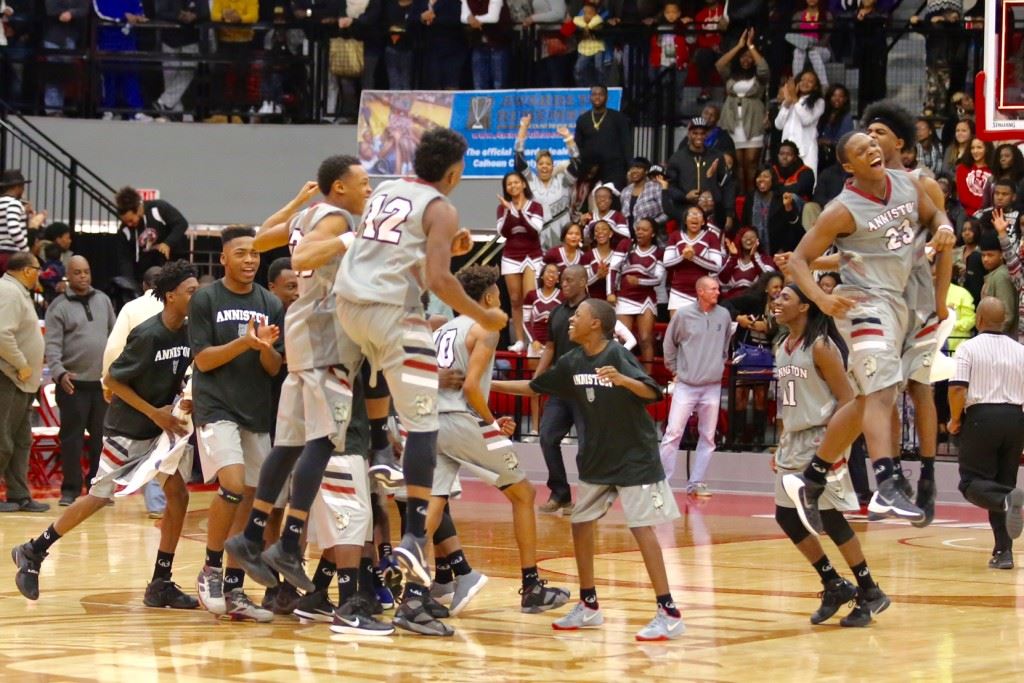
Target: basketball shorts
314, 404
466, 441
341, 512
119, 458
643, 505
224, 443
397, 340
875, 331
792, 457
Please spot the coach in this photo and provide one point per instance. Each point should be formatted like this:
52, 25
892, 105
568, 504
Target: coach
989, 381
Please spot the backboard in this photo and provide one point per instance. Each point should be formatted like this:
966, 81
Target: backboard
1000, 86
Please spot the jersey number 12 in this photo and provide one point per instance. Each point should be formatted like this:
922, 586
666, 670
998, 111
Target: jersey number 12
383, 217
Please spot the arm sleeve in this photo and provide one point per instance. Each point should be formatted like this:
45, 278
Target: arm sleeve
624, 335
133, 360
555, 381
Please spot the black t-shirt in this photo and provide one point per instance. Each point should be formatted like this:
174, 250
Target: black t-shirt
239, 391
558, 328
153, 363
621, 447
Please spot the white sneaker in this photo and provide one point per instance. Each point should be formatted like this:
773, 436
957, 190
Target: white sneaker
579, 617
266, 108
210, 587
699, 489
662, 627
142, 118
107, 116
518, 347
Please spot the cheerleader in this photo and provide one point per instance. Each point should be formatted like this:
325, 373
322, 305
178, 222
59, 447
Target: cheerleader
637, 272
520, 220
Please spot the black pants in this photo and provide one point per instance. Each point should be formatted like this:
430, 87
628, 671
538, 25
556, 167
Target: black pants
80, 411
559, 417
991, 440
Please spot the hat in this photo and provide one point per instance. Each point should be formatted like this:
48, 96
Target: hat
12, 178
698, 122
656, 169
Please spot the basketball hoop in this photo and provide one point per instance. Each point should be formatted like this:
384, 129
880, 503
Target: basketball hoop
999, 101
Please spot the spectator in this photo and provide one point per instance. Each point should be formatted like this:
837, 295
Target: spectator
793, 175
963, 110
959, 144
810, 39
929, 149
714, 213
801, 105
829, 281
537, 306
605, 138
570, 252
282, 75
754, 336
968, 244
553, 63
869, 33
692, 253
490, 36
60, 234
696, 344
551, 184
121, 86
637, 273
1004, 200
283, 282
180, 41
745, 73
693, 168
19, 23
998, 282
960, 302
77, 325
234, 45
774, 218
1008, 165
833, 124
972, 172
669, 54
16, 215
908, 157
1011, 253
21, 350
520, 220
360, 21
604, 210
641, 198
592, 61
66, 22
954, 210
152, 232
402, 21
744, 265
444, 40
717, 139
598, 260
53, 275
710, 21
943, 44
974, 268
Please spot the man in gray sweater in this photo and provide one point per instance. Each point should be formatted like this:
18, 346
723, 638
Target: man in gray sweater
696, 346
78, 323
21, 370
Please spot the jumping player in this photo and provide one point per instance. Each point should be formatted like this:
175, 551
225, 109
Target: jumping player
145, 380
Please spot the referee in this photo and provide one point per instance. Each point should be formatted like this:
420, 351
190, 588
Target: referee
989, 381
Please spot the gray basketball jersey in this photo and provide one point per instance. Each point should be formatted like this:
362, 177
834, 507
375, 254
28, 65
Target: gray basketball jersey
805, 399
311, 326
384, 264
920, 293
453, 354
881, 251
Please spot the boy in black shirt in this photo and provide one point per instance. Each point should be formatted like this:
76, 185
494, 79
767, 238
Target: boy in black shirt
145, 379
234, 328
619, 458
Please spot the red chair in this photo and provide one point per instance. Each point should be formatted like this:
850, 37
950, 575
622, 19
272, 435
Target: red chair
44, 454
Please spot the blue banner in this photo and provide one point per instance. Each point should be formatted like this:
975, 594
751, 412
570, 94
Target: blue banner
391, 122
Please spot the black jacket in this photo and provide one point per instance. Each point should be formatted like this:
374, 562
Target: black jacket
168, 225
688, 171
784, 227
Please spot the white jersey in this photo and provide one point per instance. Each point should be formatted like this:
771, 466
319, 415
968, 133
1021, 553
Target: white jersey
385, 262
453, 353
311, 326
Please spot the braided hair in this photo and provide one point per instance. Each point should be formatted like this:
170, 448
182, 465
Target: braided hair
819, 325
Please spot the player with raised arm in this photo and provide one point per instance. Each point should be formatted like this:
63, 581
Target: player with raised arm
873, 222
409, 233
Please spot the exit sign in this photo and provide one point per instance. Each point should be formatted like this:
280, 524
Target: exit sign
148, 194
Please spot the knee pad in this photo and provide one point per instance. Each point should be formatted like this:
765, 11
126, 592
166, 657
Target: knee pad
789, 521
836, 526
229, 496
445, 530
420, 458
374, 384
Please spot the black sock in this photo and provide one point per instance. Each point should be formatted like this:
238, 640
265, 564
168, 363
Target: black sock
214, 558
459, 563
443, 572
825, 569
884, 468
415, 590
589, 597
928, 468
530, 576
401, 506
41, 544
348, 578
290, 534
366, 575
817, 469
378, 433
324, 574
256, 526
666, 603
162, 566
383, 550
864, 578
416, 517
234, 577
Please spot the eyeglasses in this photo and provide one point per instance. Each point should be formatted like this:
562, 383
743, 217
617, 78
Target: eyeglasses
31, 268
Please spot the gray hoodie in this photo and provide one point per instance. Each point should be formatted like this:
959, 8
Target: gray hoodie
697, 344
77, 328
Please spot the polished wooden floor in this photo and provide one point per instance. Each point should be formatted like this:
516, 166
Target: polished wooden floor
745, 594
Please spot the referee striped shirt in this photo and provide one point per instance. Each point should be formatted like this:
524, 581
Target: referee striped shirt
991, 366
13, 225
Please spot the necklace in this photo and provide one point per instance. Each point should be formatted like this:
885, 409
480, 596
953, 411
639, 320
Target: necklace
597, 122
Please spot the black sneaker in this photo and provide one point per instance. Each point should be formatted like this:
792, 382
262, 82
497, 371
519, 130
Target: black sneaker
370, 601
903, 483
804, 494
869, 603
540, 598
249, 556
285, 599
1001, 559
166, 593
66, 499
926, 501
315, 606
27, 562
837, 593
436, 609
289, 565
890, 501
351, 618
269, 596
413, 616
